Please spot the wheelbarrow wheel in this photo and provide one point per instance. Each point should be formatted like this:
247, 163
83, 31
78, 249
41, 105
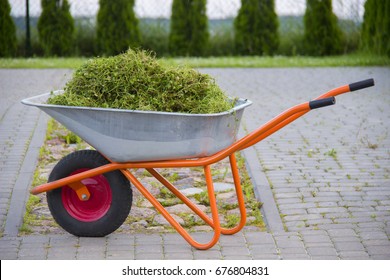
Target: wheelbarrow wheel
109, 203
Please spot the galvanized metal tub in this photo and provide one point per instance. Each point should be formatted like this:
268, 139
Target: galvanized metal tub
132, 135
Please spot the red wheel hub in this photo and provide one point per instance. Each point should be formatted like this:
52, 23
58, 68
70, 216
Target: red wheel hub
96, 206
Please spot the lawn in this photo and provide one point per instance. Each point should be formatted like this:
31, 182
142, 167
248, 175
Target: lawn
218, 62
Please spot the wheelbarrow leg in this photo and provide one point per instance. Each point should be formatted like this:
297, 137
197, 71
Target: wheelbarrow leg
172, 221
240, 198
200, 213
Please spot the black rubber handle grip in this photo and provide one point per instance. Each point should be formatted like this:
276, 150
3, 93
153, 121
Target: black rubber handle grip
314, 104
361, 84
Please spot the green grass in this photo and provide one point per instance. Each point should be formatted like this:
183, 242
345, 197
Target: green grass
42, 63
217, 62
137, 80
283, 61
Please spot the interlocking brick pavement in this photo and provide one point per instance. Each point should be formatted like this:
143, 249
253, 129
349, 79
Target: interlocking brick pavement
324, 180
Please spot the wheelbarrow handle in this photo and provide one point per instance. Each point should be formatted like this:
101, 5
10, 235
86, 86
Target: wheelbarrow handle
361, 84
314, 104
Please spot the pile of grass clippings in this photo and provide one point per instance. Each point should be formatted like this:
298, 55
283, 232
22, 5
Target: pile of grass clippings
136, 80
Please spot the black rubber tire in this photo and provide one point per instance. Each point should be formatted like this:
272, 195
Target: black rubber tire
118, 211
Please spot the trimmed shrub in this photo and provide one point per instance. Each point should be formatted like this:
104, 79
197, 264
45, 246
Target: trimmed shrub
376, 27
56, 28
256, 28
7, 30
322, 34
117, 26
155, 33
85, 37
189, 28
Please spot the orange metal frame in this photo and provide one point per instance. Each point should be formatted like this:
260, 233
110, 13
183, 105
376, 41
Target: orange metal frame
288, 116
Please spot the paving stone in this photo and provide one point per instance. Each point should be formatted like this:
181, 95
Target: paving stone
229, 197
124, 240
173, 239
349, 246
295, 257
263, 249
309, 206
38, 254
221, 187
159, 219
173, 248
149, 256
182, 208
142, 212
235, 257
36, 239
325, 257
257, 238
60, 241
290, 244
321, 251
354, 255
9, 243
316, 238
191, 191
380, 257
346, 239
236, 251
325, 210
259, 256
150, 239
293, 250
341, 232
373, 235
235, 240
8, 255
208, 255
147, 248
302, 217
283, 195
92, 242
378, 250
319, 244
380, 242
179, 256
59, 255
287, 212
337, 226
288, 235
120, 255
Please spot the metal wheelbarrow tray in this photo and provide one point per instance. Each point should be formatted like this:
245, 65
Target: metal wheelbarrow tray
89, 192
131, 135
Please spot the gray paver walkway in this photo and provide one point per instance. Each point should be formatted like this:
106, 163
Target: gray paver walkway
324, 180
329, 172
18, 143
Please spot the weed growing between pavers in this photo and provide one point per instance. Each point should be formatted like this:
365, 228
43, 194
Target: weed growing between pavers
136, 80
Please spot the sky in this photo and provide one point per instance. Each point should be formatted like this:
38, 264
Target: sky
215, 8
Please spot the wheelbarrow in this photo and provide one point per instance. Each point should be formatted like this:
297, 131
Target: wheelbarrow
89, 191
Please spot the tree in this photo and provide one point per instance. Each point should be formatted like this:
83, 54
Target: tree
256, 28
322, 34
56, 28
376, 27
7, 30
189, 28
117, 26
